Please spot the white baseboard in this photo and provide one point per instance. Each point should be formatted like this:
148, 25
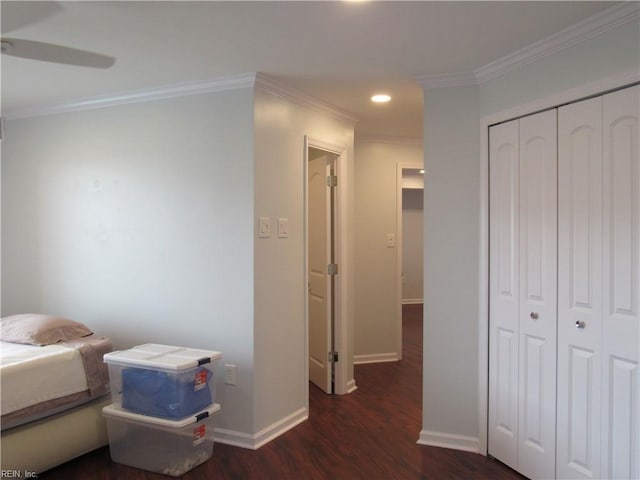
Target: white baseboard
351, 386
264, 436
375, 358
412, 301
448, 440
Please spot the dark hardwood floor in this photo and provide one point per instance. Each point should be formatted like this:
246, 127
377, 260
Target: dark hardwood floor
369, 434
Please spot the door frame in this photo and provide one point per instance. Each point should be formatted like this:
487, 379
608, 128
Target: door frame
544, 103
400, 166
342, 384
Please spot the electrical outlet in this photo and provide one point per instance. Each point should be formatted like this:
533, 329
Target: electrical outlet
230, 374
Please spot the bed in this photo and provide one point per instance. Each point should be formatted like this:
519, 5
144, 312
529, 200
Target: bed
53, 385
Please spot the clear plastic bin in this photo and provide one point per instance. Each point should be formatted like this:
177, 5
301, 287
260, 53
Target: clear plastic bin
163, 380
169, 447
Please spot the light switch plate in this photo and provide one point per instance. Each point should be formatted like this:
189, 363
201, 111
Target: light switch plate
391, 240
264, 227
283, 227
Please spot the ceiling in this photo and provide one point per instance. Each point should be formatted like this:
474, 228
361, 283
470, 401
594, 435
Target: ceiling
339, 52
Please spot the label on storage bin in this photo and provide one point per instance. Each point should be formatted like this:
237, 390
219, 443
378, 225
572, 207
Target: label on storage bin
199, 434
201, 380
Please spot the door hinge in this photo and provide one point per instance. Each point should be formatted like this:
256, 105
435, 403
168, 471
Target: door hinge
332, 269
332, 181
333, 357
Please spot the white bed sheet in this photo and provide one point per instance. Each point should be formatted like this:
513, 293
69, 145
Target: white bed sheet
31, 374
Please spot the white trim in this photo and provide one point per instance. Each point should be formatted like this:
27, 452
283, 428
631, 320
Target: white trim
351, 386
595, 25
566, 96
412, 301
448, 440
393, 140
264, 436
270, 85
375, 358
483, 298
341, 334
233, 82
591, 89
442, 80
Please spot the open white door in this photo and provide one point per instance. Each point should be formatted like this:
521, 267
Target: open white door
320, 282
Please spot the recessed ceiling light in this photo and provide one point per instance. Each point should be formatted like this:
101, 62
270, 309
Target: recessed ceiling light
380, 98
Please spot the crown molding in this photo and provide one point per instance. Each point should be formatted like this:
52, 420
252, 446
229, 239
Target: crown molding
595, 25
444, 80
388, 139
233, 82
270, 85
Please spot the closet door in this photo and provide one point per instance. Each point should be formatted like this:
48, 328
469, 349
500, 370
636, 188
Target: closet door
621, 284
504, 294
523, 256
538, 294
580, 277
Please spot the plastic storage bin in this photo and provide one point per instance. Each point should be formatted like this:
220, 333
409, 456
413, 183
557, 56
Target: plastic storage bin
162, 380
170, 447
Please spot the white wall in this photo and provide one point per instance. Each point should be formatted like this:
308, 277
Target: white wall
453, 200
138, 221
451, 191
376, 295
412, 241
280, 179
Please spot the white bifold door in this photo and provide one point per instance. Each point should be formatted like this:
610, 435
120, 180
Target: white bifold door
599, 285
565, 290
523, 257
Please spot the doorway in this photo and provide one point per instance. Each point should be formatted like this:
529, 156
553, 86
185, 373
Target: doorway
328, 356
409, 275
322, 267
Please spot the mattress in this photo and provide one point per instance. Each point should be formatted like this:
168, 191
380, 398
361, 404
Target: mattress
38, 381
43, 444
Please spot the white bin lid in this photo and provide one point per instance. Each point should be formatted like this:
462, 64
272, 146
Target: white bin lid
162, 357
111, 411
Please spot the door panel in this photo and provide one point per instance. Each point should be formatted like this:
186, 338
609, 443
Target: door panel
581, 412
504, 292
621, 285
579, 289
319, 295
533, 412
538, 294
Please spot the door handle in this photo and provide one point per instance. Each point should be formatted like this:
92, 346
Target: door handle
534, 315
580, 324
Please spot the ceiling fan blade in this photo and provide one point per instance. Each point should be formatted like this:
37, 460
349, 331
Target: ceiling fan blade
49, 52
16, 15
